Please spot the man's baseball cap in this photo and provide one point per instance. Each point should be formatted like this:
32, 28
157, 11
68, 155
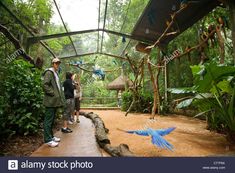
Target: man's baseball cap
55, 60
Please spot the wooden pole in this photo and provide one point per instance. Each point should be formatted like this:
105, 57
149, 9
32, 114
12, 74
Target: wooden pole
166, 81
221, 44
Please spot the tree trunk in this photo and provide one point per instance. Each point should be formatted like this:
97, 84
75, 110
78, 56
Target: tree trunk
221, 44
16, 43
120, 151
132, 104
101, 130
158, 92
155, 92
102, 138
39, 60
136, 71
231, 4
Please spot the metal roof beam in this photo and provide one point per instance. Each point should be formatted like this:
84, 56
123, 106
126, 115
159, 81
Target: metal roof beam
52, 36
79, 55
93, 53
115, 56
36, 39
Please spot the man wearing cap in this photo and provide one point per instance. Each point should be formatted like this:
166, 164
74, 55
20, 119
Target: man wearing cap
52, 101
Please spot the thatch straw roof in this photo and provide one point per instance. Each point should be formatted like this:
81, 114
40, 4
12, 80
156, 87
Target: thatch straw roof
119, 83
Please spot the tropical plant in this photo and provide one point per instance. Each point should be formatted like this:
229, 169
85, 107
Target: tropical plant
21, 107
213, 94
143, 104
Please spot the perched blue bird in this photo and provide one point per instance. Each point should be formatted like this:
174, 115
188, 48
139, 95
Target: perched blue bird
156, 135
99, 73
183, 3
77, 62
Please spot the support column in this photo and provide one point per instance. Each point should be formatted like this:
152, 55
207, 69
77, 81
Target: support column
166, 81
166, 74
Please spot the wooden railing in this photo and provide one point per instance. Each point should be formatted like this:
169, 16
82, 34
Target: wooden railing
99, 102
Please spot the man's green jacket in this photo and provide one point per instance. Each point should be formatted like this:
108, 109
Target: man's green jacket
52, 94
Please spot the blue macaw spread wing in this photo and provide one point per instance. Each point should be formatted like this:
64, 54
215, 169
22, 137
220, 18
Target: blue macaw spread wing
164, 132
156, 135
161, 142
139, 132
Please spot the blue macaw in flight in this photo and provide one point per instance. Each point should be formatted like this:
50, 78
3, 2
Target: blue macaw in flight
157, 136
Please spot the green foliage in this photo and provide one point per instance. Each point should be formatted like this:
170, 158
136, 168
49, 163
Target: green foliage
21, 101
184, 103
211, 74
214, 86
181, 90
33, 12
142, 105
126, 100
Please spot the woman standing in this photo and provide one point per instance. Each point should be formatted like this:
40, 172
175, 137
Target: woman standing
69, 96
77, 97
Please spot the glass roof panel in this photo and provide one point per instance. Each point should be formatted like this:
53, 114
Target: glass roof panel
85, 43
102, 12
114, 44
56, 21
79, 14
134, 12
122, 15
62, 47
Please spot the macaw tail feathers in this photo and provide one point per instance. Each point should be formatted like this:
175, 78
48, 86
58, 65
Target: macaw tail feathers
138, 132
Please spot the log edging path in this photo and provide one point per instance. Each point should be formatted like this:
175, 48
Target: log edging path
101, 134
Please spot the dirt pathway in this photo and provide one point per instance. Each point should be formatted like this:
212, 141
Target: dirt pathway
189, 139
80, 143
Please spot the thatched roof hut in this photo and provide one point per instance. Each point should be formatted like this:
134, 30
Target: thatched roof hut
119, 83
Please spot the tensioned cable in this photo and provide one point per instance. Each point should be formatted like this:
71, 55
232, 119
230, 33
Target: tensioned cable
105, 14
98, 39
65, 26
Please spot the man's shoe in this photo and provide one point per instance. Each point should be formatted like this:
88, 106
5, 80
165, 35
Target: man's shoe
67, 130
55, 139
70, 122
52, 144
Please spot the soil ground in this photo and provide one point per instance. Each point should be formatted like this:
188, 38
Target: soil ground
19, 145
190, 138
